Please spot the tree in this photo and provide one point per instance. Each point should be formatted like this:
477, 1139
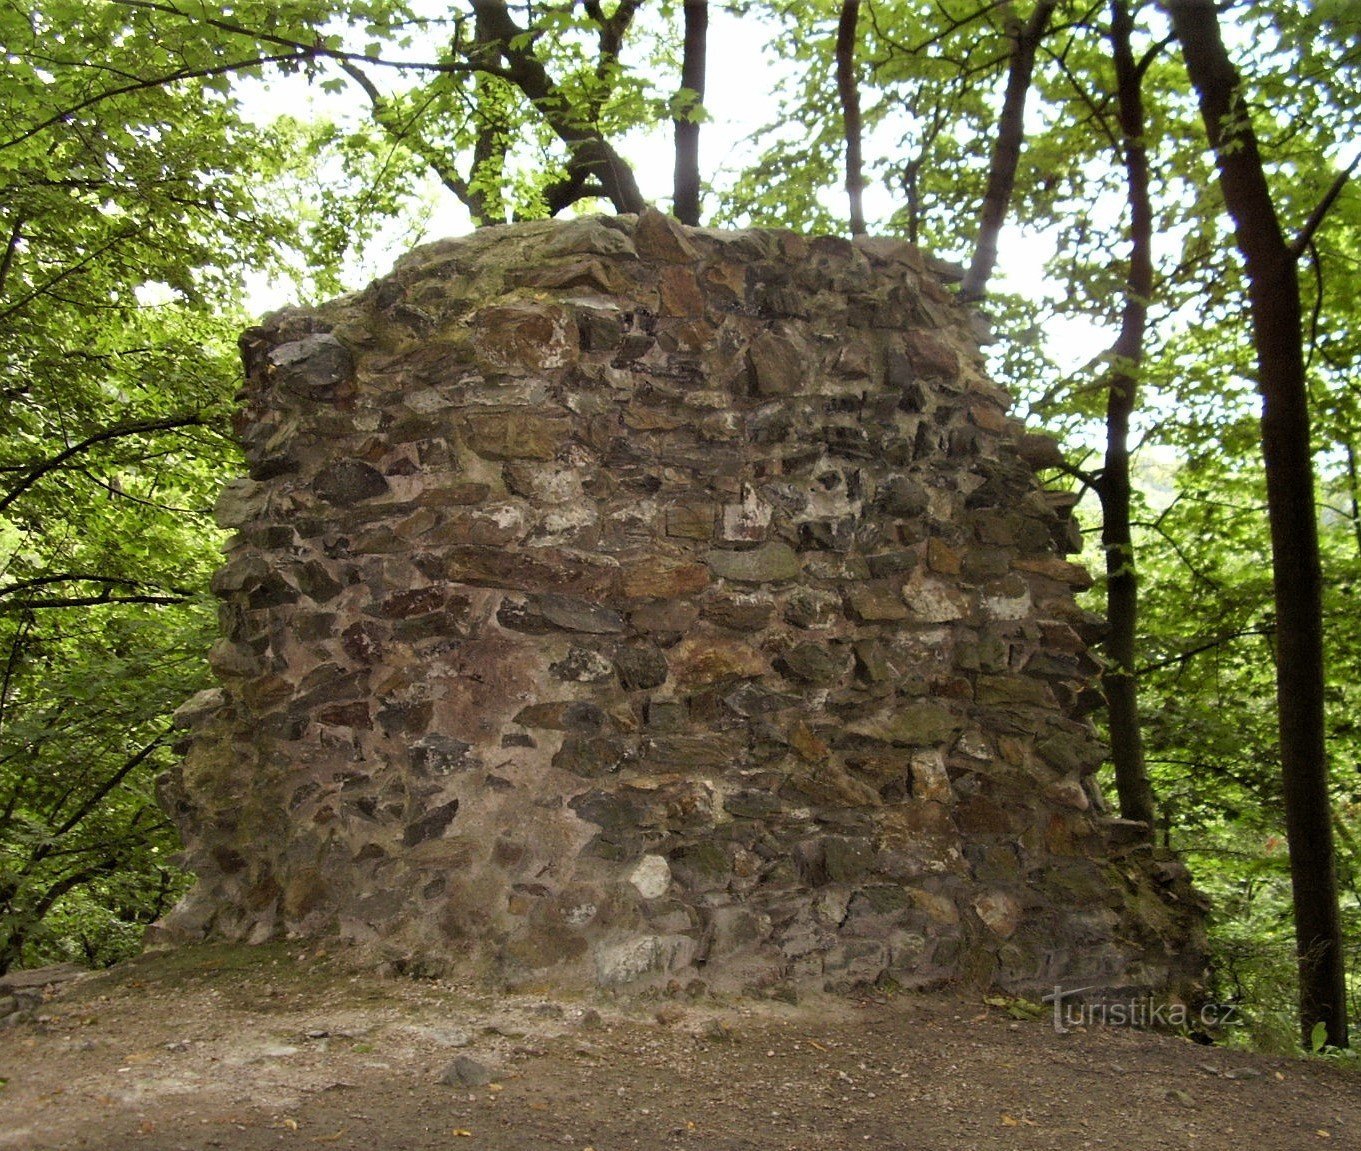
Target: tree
116, 324
1287, 454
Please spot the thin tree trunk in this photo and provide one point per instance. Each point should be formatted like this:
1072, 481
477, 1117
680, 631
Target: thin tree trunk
485, 202
685, 198
1274, 297
1122, 588
1006, 151
849, 92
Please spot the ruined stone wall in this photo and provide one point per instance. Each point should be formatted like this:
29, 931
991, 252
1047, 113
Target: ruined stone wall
616, 603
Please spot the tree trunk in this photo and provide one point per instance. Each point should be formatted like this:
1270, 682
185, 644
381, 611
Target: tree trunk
1274, 297
849, 92
685, 198
1006, 151
1122, 588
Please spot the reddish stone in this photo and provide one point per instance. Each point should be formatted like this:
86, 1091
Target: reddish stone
680, 293
661, 577
930, 355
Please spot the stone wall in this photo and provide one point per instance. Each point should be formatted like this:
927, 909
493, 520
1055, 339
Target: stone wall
617, 604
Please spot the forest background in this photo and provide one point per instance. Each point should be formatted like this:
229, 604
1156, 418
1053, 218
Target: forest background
1182, 169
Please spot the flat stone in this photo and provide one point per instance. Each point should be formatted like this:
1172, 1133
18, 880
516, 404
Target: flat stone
779, 366
431, 825
536, 569
813, 663
661, 577
933, 601
691, 753
931, 356
590, 236
566, 715
41, 976
770, 563
942, 558
593, 756
515, 435
812, 609
930, 780
694, 521
640, 668
652, 877
1074, 575
313, 365
581, 665
680, 293
918, 724
1000, 912
437, 754
1013, 691
702, 660
522, 338
740, 612
747, 521
466, 1071
877, 602
239, 502
579, 615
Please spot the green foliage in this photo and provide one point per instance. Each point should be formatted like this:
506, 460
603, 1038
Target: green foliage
123, 233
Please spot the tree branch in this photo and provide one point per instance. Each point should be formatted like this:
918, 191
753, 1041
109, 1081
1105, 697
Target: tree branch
408, 135
154, 82
1316, 217
590, 154
11, 247
90, 601
79, 577
37, 471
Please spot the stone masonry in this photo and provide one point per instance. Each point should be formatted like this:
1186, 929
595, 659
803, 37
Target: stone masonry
618, 604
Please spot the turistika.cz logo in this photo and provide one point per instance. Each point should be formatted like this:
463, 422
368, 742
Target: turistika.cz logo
1144, 1012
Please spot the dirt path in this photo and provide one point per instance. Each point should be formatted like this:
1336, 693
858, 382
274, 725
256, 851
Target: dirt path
268, 1048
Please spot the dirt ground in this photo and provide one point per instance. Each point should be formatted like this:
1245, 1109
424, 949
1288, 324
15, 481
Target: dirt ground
283, 1048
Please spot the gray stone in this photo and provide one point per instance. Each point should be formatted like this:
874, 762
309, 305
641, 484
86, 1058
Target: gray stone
578, 615
313, 365
465, 1071
770, 563
640, 668
581, 665
348, 482
813, 663
911, 725
431, 825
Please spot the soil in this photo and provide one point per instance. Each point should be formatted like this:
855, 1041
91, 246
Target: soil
281, 1047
